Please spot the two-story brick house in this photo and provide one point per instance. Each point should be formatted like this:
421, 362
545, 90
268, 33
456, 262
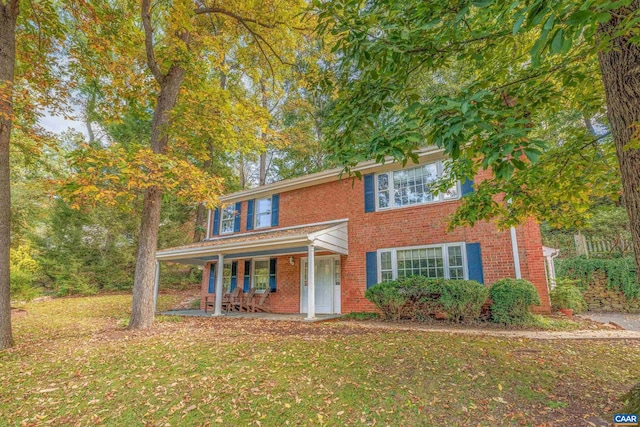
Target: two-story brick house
357, 233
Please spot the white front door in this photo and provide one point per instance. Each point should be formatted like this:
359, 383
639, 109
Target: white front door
325, 285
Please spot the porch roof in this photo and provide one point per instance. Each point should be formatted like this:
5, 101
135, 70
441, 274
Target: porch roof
330, 236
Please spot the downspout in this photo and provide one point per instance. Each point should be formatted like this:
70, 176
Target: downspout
516, 254
208, 225
552, 268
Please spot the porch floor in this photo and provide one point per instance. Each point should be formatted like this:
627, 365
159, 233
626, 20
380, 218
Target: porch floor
288, 317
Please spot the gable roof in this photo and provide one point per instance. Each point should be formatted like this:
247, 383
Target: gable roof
323, 177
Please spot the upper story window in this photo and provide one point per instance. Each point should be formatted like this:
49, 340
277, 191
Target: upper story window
413, 186
434, 261
263, 212
228, 216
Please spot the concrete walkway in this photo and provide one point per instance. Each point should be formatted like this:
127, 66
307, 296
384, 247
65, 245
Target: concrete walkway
535, 335
628, 321
292, 317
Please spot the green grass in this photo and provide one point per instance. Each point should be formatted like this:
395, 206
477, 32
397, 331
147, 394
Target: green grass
74, 365
553, 324
361, 315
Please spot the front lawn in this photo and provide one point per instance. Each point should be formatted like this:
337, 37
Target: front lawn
74, 365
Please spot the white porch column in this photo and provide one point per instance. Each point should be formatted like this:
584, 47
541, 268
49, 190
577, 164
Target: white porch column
311, 283
219, 290
156, 285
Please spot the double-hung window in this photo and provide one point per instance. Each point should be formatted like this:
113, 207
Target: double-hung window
413, 186
435, 261
226, 277
227, 218
261, 275
263, 212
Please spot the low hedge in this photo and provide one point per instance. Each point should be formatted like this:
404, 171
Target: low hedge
620, 272
418, 298
567, 296
512, 299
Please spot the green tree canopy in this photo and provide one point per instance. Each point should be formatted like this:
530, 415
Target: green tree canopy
511, 87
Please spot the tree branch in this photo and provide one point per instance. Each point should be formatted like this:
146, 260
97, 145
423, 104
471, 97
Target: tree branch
259, 36
460, 43
148, 41
256, 36
213, 9
593, 141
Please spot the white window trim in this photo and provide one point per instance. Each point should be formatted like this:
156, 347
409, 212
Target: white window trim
233, 219
440, 198
445, 255
255, 213
253, 275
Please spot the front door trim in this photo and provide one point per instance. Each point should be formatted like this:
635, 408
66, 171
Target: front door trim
335, 289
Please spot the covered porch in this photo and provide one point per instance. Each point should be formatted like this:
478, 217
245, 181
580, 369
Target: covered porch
298, 267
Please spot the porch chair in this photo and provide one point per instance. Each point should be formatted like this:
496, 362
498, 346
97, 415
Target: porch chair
231, 299
245, 300
258, 303
209, 301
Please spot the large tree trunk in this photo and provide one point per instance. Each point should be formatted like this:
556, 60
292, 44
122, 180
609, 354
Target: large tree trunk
143, 285
620, 67
262, 178
8, 16
243, 175
201, 210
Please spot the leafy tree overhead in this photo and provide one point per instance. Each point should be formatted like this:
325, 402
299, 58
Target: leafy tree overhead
543, 93
182, 60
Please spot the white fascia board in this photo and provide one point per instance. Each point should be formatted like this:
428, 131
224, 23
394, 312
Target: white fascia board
269, 243
270, 230
319, 177
331, 247
228, 248
342, 224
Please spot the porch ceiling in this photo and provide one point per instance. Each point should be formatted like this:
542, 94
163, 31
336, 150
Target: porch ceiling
330, 236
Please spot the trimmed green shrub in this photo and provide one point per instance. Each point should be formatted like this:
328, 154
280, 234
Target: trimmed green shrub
567, 296
512, 299
387, 298
462, 299
418, 298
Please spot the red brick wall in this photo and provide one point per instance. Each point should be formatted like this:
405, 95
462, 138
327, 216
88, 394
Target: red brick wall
409, 226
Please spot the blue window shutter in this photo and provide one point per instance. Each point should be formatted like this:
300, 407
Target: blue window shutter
234, 275
216, 222
467, 187
275, 209
474, 262
369, 193
247, 276
272, 274
250, 214
372, 269
212, 279
236, 220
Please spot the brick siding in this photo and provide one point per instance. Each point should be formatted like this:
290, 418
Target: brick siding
408, 226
